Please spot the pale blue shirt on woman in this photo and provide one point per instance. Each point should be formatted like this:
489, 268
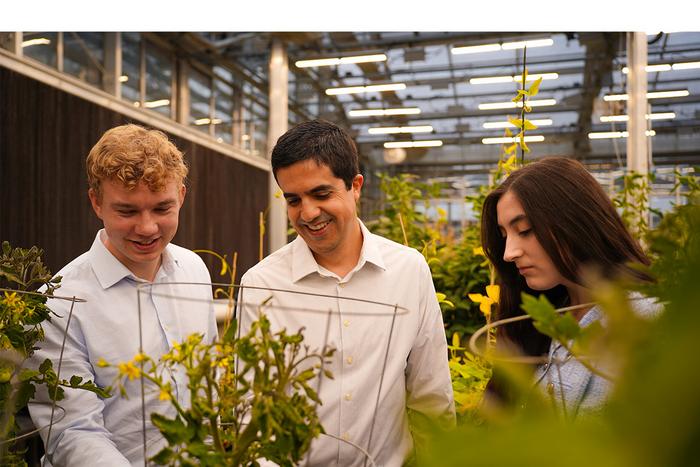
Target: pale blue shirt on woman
575, 391
89, 430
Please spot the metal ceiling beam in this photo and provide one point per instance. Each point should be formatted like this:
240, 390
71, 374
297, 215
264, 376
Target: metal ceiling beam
461, 167
601, 50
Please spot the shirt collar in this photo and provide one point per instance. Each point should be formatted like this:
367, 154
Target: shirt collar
304, 263
109, 270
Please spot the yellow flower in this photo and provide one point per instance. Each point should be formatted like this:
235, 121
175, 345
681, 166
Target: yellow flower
102, 363
511, 164
485, 302
129, 370
13, 301
479, 251
223, 363
165, 394
140, 357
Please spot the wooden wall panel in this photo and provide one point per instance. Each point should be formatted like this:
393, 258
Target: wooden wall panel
45, 135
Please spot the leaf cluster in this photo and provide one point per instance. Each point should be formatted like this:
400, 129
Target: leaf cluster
251, 397
469, 374
23, 269
22, 311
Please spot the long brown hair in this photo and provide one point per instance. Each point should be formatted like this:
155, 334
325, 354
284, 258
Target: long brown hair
577, 225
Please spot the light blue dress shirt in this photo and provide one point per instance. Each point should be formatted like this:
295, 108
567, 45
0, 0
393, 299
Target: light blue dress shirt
573, 389
96, 431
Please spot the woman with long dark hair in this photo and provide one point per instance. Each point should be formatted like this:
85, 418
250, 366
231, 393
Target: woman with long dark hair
541, 228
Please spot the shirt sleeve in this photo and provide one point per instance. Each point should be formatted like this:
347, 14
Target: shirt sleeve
78, 435
428, 382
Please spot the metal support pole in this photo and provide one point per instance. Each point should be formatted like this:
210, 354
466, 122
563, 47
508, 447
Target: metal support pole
637, 154
16, 45
277, 125
637, 145
113, 64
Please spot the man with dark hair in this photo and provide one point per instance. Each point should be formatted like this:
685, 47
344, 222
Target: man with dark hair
388, 359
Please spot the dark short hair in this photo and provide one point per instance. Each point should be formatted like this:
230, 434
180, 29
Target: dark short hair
322, 141
576, 223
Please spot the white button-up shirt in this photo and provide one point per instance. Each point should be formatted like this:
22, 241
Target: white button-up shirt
402, 348
96, 431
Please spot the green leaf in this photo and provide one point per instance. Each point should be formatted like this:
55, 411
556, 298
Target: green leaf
75, 380
164, 456
45, 366
27, 374
566, 327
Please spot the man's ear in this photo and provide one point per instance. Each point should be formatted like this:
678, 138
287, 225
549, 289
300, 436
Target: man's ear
183, 192
357, 186
95, 201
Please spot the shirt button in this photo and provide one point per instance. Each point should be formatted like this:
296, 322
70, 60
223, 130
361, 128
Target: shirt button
349, 360
346, 323
550, 389
348, 396
341, 284
346, 436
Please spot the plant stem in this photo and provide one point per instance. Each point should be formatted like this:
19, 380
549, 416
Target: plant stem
213, 419
403, 230
246, 439
522, 112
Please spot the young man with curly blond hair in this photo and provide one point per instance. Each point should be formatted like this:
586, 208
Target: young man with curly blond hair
136, 181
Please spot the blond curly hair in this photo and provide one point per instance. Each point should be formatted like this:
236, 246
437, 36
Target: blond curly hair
131, 154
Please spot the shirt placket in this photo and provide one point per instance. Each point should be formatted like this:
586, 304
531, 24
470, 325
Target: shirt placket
167, 313
348, 323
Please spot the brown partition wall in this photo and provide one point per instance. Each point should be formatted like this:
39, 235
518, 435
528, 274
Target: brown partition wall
45, 135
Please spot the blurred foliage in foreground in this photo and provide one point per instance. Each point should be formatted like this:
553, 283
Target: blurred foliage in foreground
653, 418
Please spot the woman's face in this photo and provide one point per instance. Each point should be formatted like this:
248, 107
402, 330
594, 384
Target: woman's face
523, 248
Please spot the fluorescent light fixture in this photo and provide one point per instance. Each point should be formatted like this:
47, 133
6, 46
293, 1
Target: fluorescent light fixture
207, 121
685, 66
428, 143
541, 122
652, 68
340, 60
123, 78
650, 95
513, 79
37, 41
158, 103
400, 129
505, 46
624, 118
664, 94
529, 44
491, 80
536, 76
513, 105
473, 49
615, 134
667, 67
514, 139
370, 88
383, 112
